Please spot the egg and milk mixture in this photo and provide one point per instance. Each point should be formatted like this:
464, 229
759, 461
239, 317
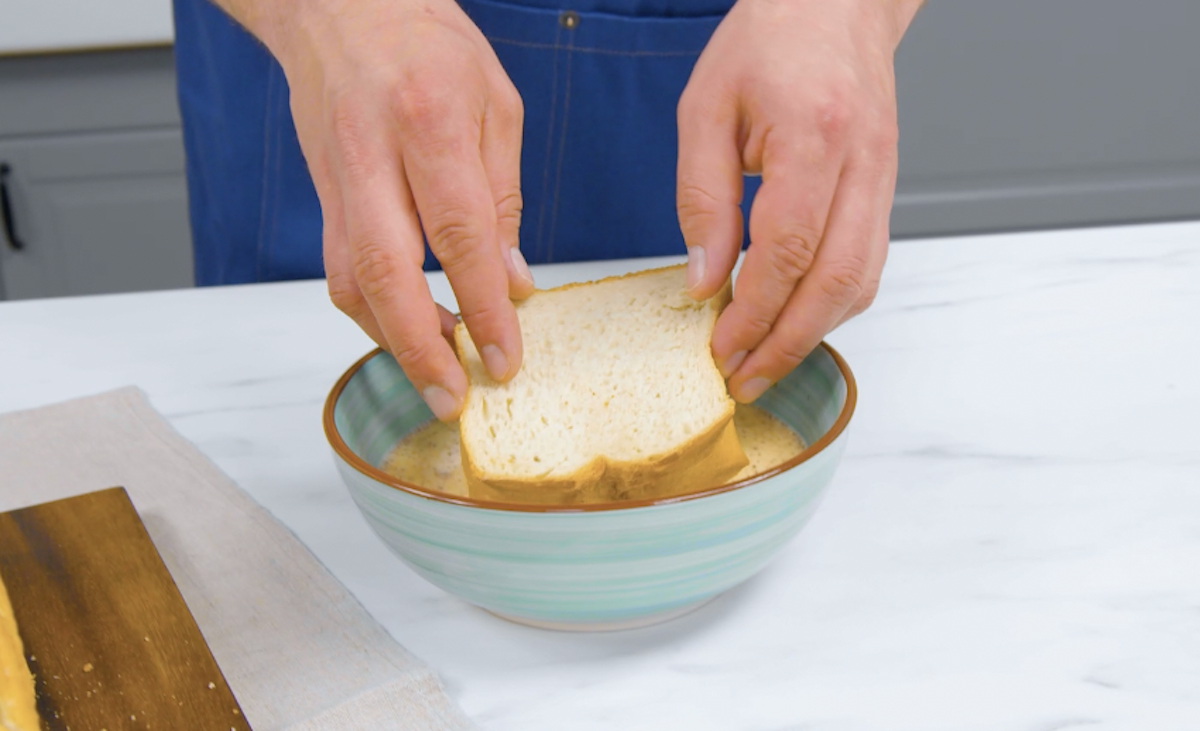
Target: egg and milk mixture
429, 456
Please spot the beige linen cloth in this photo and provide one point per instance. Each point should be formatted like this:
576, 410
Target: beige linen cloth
299, 652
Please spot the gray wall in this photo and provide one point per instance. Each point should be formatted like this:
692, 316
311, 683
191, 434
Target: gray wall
1031, 113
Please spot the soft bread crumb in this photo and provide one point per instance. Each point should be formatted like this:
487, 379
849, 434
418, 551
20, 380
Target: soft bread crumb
617, 389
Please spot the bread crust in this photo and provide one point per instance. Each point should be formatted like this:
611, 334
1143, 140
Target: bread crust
709, 458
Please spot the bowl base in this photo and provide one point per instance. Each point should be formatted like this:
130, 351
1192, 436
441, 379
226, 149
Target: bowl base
623, 624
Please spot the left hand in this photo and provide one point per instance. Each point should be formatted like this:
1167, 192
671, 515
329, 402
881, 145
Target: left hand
803, 93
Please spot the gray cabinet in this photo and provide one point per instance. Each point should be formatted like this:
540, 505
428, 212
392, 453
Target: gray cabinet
1033, 113
96, 180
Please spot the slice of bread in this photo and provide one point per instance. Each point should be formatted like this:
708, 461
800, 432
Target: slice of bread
618, 397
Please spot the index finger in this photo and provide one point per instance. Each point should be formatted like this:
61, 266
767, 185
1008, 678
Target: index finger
787, 222
454, 199
387, 252
847, 260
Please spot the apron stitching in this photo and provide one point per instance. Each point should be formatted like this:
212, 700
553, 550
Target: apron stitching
262, 208
220, 222
271, 226
585, 49
549, 147
562, 149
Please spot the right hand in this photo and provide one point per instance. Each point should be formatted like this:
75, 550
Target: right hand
409, 124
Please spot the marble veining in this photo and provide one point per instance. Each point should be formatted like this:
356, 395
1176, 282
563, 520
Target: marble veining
1011, 544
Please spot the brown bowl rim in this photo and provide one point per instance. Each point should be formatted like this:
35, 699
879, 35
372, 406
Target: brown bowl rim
343, 450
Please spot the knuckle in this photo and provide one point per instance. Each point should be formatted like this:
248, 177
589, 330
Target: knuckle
834, 115
865, 298
375, 267
344, 294
794, 251
483, 316
508, 209
509, 105
696, 207
758, 324
455, 236
695, 198
845, 282
787, 346
413, 355
869, 293
419, 107
790, 351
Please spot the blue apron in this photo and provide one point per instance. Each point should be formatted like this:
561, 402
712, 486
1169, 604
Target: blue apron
600, 82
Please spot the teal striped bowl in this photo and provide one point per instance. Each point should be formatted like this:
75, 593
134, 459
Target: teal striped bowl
593, 567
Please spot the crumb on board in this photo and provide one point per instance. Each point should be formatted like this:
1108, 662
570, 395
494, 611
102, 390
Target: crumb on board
87, 667
212, 686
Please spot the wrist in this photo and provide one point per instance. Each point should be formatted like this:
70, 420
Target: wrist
264, 19
903, 12
281, 25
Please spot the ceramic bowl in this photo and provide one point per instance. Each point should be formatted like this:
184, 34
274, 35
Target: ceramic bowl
591, 567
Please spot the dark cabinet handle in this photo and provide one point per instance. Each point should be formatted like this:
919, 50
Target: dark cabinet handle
10, 227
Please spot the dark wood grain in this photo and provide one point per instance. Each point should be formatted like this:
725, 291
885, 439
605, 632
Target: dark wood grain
108, 637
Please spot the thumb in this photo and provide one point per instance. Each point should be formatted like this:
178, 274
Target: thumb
708, 190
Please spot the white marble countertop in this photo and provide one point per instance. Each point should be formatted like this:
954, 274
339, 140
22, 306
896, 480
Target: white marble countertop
1012, 542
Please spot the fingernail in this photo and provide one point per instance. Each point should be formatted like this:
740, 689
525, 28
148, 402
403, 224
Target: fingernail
695, 266
732, 362
440, 402
495, 361
520, 265
752, 389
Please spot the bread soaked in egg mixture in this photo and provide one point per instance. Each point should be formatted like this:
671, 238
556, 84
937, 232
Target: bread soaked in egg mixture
429, 456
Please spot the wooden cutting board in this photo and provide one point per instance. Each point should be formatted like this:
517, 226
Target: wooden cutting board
107, 635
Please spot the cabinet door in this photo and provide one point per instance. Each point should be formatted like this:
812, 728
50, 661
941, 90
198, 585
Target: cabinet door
97, 214
1026, 113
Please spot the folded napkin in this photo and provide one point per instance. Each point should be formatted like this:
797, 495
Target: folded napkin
299, 652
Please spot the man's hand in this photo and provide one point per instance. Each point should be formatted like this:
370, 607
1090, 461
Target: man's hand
803, 93
408, 124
